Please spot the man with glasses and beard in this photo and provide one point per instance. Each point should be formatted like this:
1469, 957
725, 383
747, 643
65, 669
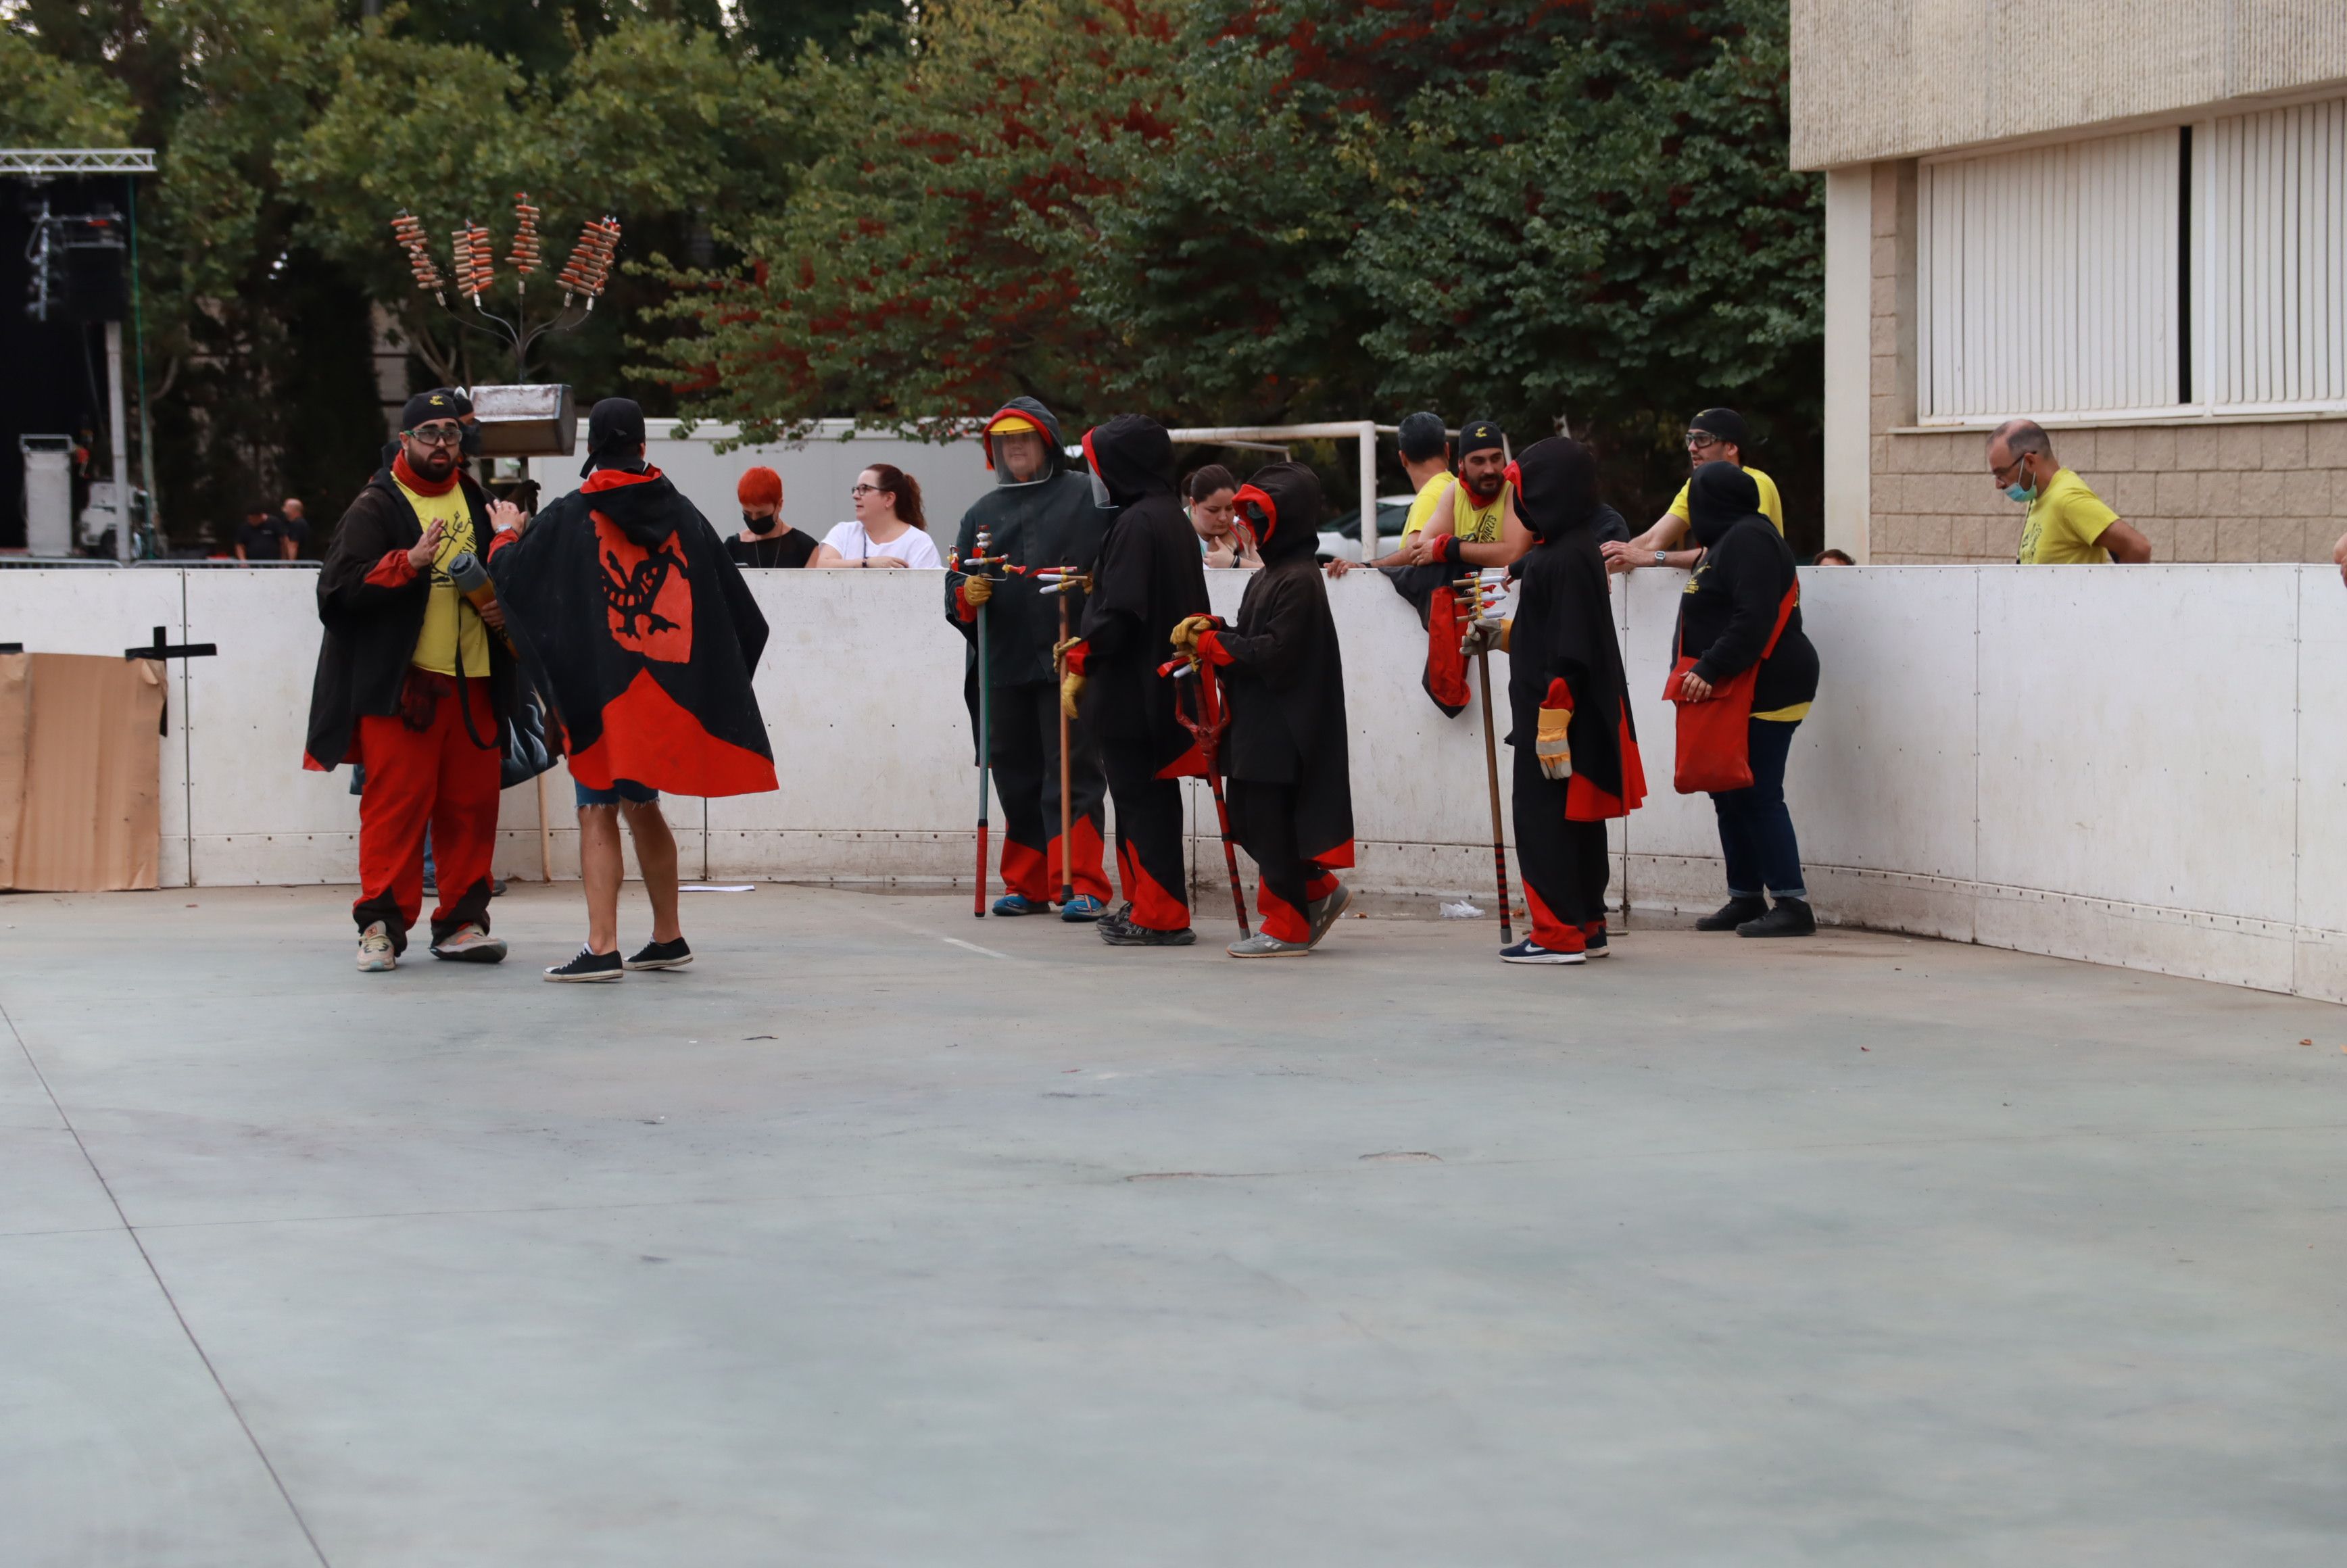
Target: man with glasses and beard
1715, 435
413, 685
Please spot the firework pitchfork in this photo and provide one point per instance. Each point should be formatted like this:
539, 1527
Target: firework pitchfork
1207, 729
976, 566
1478, 598
1065, 581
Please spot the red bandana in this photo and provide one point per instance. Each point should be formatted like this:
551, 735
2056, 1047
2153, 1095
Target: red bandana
417, 482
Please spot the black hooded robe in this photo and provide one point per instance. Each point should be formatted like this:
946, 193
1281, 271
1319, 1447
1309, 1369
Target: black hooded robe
1563, 630
1046, 521
1291, 793
632, 619
1149, 578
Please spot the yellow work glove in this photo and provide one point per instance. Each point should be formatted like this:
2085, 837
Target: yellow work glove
1555, 751
1072, 692
977, 589
1186, 630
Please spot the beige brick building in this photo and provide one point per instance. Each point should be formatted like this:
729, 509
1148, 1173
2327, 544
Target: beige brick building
2127, 223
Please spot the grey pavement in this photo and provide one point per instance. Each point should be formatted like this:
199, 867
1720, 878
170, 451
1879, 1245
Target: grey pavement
884, 1235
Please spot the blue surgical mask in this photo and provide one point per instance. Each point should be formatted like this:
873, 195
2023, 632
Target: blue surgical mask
2020, 492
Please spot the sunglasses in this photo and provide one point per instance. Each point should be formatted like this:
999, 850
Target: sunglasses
1702, 441
439, 435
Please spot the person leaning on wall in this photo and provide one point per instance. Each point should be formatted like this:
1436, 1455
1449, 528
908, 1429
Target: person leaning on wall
2067, 524
1715, 435
765, 540
1747, 675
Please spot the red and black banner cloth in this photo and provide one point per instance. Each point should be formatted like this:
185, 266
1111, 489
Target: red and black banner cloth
1428, 590
635, 623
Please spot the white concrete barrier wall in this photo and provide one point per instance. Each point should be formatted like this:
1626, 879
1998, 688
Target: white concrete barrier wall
2144, 767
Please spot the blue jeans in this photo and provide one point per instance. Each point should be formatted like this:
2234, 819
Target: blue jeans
627, 790
1756, 831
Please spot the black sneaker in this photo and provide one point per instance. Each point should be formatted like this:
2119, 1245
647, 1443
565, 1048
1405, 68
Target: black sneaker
1125, 934
589, 966
661, 955
1593, 938
1790, 918
1732, 914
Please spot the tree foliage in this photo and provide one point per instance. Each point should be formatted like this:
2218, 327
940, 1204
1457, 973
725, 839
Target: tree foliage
1243, 210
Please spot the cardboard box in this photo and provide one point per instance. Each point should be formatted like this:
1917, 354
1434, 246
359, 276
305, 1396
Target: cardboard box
80, 758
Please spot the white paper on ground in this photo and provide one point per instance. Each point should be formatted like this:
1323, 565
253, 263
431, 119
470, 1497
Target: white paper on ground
1462, 910
712, 887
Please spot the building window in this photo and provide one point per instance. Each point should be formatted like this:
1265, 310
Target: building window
2189, 270
2270, 303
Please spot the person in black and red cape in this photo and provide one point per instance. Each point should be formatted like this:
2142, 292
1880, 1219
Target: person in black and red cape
636, 624
1148, 580
1576, 753
1291, 793
412, 686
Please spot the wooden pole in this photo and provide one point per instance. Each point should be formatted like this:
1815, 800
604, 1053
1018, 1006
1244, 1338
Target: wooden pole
1491, 770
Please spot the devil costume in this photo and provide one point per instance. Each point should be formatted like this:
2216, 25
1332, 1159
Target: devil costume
1564, 666
1149, 578
632, 619
1046, 521
1291, 793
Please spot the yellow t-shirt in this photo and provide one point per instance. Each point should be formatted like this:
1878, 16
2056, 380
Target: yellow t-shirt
446, 616
1474, 525
1421, 506
2064, 523
1772, 506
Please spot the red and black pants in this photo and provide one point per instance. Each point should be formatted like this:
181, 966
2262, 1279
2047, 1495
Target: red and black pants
425, 768
1149, 834
1262, 823
1024, 751
1564, 862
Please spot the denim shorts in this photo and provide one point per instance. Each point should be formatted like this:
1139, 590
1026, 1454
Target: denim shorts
627, 790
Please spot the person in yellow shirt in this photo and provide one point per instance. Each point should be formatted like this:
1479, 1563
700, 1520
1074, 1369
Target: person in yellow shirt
1424, 443
1472, 508
1715, 435
2067, 524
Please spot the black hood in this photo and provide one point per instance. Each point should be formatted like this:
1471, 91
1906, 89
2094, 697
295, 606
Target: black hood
1556, 488
1281, 505
1055, 457
1132, 456
1720, 495
646, 511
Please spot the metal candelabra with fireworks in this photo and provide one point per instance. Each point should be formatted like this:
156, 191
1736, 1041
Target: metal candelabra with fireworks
473, 269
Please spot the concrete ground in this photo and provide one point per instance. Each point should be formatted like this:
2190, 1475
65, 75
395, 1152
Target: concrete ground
886, 1236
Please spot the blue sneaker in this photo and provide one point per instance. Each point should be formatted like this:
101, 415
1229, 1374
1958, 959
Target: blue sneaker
1082, 909
1531, 952
1018, 904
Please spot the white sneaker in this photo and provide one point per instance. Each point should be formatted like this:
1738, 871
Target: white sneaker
1264, 945
374, 950
469, 944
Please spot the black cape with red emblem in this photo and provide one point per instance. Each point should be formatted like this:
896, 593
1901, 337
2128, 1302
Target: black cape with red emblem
1284, 669
1149, 578
631, 618
1564, 629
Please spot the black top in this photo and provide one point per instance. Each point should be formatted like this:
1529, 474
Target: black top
262, 541
792, 547
1563, 624
1286, 672
1046, 521
1149, 578
1731, 603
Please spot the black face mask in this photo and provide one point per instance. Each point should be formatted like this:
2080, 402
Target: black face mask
758, 524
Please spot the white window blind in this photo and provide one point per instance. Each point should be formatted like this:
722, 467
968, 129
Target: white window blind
2270, 285
2047, 280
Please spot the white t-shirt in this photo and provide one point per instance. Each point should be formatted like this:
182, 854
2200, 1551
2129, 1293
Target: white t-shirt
913, 547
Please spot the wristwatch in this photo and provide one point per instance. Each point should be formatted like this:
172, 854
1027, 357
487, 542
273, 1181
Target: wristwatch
1662, 558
